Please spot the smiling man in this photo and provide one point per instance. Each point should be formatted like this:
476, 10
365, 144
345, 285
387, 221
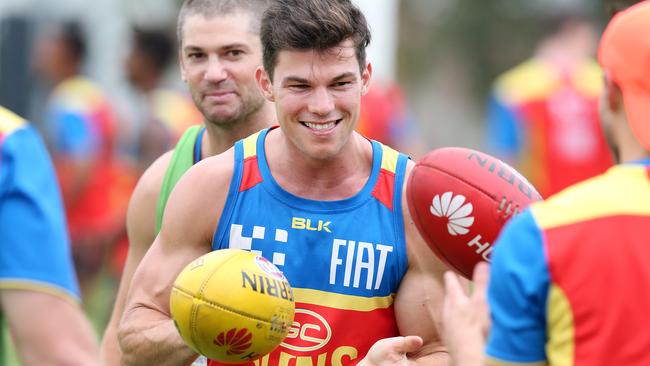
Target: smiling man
323, 203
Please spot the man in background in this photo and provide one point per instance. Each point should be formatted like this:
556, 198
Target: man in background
543, 114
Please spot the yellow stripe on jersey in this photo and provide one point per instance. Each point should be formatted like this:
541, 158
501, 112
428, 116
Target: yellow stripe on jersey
534, 80
18, 284
250, 145
589, 79
389, 158
343, 302
560, 347
79, 94
622, 190
529, 81
9, 121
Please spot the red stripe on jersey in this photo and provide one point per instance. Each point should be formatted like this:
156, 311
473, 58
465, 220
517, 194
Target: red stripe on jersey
586, 263
251, 175
383, 190
321, 336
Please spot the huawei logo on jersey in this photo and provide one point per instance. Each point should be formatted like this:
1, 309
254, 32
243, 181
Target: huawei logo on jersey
455, 210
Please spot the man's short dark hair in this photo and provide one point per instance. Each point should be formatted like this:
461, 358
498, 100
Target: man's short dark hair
312, 24
73, 36
211, 8
156, 45
615, 6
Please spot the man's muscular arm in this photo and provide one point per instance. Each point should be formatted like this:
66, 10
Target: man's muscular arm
418, 306
146, 333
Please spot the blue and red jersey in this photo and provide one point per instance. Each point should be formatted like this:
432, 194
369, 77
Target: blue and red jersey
344, 259
83, 127
570, 280
543, 119
34, 247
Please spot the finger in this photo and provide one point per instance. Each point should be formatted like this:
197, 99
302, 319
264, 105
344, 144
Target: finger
404, 344
481, 277
453, 288
411, 344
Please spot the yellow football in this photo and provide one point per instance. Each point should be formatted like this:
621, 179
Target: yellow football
232, 305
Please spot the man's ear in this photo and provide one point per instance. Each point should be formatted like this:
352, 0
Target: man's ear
366, 75
613, 95
264, 83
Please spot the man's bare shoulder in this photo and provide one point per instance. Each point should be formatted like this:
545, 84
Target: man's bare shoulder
214, 171
197, 200
152, 178
418, 251
141, 214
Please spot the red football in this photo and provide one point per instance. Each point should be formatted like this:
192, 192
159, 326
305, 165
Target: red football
460, 199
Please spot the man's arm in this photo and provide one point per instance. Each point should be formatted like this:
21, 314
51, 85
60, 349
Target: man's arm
48, 329
141, 226
418, 305
147, 334
419, 300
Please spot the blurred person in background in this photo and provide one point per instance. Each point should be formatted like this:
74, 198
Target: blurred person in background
39, 295
569, 279
80, 127
385, 117
166, 113
220, 49
543, 115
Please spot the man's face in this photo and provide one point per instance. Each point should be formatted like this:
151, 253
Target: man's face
218, 58
134, 65
317, 97
50, 56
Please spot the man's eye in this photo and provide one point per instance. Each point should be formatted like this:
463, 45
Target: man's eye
235, 52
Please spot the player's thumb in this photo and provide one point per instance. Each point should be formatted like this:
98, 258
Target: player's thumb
407, 344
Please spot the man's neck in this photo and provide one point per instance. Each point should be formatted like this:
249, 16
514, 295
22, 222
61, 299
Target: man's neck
335, 178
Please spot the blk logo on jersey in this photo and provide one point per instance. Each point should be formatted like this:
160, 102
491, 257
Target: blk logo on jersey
309, 224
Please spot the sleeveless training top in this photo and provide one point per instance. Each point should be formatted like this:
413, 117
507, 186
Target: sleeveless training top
344, 259
186, 153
